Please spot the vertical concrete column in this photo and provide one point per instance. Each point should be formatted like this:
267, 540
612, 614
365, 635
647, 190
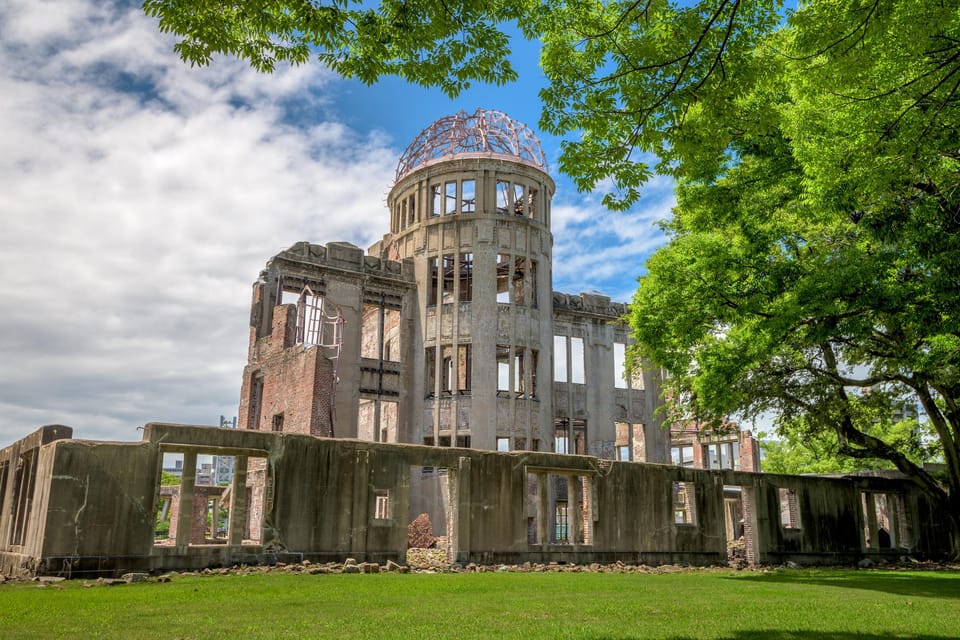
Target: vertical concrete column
238, 502
187, 489
360, 509
460, 508
543, 513
573, 509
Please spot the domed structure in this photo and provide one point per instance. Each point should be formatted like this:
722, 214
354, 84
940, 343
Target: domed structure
485, 133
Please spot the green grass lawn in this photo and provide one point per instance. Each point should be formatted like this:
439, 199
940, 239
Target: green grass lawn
697, 604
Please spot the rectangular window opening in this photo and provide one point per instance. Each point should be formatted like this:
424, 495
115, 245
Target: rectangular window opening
450, 199
789, 509
517, 288
464, 365
466, 277
559, 358
436, 200
684, 511
503, 278
381, 505
503, 367
449, 278
433, 266
620, 365
577, 375
468, 196
503, 197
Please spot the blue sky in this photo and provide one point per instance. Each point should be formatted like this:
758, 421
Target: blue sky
139, 199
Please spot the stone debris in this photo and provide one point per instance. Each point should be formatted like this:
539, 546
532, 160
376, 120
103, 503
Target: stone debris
435, 566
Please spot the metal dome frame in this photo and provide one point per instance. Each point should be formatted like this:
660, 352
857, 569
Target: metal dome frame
485, 132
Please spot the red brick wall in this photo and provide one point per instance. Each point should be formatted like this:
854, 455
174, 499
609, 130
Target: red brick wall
297, 381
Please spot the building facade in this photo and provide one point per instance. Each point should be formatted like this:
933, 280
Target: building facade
447, 332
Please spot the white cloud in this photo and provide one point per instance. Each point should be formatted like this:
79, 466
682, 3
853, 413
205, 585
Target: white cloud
139, 199
595, 247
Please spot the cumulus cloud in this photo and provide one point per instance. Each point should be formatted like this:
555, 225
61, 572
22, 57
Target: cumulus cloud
139, 198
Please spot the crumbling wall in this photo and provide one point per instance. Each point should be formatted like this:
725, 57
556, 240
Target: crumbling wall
94, 505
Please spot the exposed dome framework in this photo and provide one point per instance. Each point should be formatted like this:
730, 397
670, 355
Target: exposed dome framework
484, 132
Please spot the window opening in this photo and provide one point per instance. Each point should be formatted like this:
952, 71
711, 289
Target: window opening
449, 277
561, 435
518, 202
277, 423
789, 509
503, 367
463, 442
559, 358
366, 419
370, 332
577, 361
435, 200
318, 322
683, 503
517, 290
447, 371
433, 266
562, 533
885, 521
503, 278
464, 364
466, 277
503, 196
532, 196
412, 209
430, 364
503, 444
468, 196
391, 334
682, 455
518, 371
381, 508
450, 198
620, 365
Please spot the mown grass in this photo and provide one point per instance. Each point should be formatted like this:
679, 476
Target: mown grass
798, 604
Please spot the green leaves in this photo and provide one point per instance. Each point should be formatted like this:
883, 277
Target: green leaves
424, 41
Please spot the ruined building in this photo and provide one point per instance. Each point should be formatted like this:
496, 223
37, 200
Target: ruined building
447, 332
438, 373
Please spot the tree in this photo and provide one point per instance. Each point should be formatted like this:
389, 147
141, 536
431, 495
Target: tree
814, 252
812, 268
802, 450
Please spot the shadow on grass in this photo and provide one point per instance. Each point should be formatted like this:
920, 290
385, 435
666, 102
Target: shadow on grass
777, 634
931, 585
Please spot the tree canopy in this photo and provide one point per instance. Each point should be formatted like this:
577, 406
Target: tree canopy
813, 263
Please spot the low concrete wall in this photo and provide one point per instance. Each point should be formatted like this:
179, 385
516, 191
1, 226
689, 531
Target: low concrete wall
94, 505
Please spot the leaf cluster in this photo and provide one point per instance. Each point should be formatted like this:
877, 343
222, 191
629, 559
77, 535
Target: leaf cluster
427, 42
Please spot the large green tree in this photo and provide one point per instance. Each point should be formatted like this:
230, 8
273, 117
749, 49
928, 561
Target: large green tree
814, 252
813, 267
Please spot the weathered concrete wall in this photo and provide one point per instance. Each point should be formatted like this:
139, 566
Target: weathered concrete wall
94, 505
